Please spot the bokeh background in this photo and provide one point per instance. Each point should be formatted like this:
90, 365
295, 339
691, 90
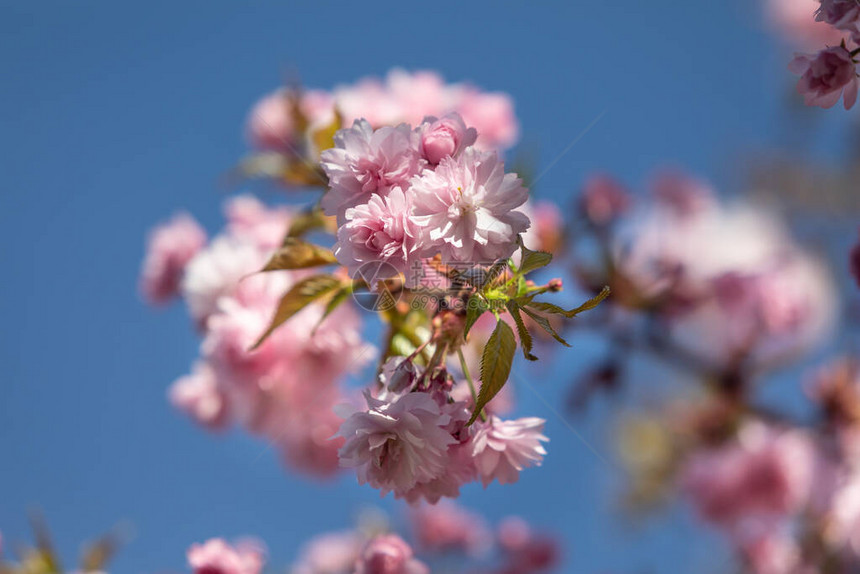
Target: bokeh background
113, 117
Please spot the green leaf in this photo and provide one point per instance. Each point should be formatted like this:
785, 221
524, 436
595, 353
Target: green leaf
475, 307
591, 303
556, 310
532, 260
301, 295
298, 254
525, 336
339, 297
546, 325
496, 361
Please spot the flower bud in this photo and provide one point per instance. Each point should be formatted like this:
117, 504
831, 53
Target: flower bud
398, 374
445, 137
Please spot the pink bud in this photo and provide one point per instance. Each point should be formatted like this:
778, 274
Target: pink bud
445, 137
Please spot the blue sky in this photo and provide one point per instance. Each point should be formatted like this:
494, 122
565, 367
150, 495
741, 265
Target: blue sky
114, 117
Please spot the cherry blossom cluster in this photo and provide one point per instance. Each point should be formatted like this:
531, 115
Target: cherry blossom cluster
832, 72
402, 195
413, 438
722, 283
267, 392
401, 97
444, 533
420, 214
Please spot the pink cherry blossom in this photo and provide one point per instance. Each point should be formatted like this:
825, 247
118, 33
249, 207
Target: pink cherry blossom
767, 473
460, 470
827, 76
199, 396
445, 137
388, 554
379, 232
169, 249
365, 161
216, 556
841, 14
397, 443
333, 553
467, 208
447, 526
503, 448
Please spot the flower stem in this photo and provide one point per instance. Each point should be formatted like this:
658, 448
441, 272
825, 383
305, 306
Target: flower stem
469, 380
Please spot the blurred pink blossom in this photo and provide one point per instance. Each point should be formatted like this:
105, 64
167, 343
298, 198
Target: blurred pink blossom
333, 553
747, 289
843, 15
169, 249
765, 473
216, 271
795, 19
769, 548
854, 262
492, 114
411, 96
216, 556
249, 219
447, 526
682, 194
389, 554
526, 551
199, 396
271, 125
603, 199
